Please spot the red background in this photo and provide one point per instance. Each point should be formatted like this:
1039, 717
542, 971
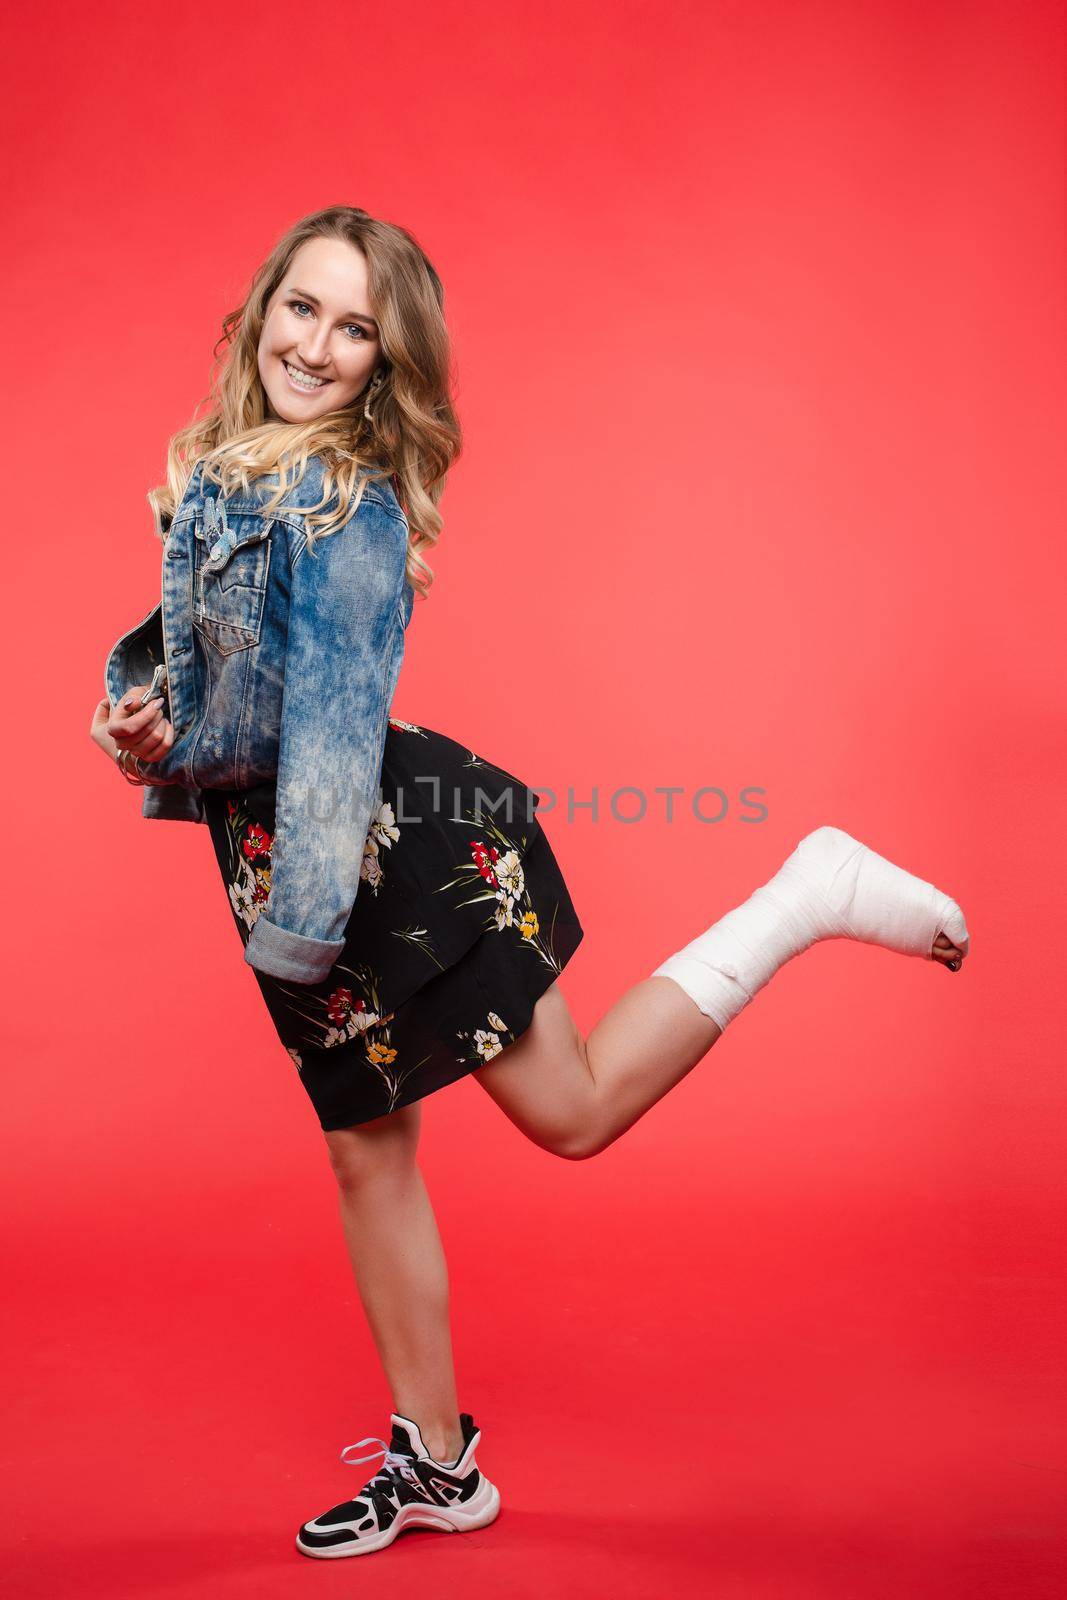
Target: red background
758, 311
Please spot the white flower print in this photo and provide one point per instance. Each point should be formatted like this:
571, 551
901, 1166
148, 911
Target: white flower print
485, 1043
245, 899
383, 824
355, 1023
509, 874
382, 831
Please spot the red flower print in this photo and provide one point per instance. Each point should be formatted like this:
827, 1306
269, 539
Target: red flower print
483, 859
231, 809
257, 841
340, 1006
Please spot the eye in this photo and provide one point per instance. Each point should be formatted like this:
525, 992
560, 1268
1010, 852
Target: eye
300, 306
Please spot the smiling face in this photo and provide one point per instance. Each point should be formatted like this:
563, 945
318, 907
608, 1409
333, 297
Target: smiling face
320, 343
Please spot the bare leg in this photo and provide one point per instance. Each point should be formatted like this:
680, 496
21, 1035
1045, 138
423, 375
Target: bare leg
400, 1269
575, 1096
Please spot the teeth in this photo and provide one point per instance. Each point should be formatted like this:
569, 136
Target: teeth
304, 379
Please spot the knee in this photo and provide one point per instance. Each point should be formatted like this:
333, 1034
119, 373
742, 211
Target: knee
373, 1152
577, 1144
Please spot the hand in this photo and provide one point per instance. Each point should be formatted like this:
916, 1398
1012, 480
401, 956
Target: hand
144, 731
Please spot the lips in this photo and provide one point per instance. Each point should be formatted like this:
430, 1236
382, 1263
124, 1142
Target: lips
295, 374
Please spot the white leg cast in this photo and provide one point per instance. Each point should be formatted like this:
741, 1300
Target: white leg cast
831, 887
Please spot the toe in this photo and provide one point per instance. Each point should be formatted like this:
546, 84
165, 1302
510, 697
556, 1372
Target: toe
944, 951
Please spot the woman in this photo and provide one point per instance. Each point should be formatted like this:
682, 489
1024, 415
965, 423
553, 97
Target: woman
397, 899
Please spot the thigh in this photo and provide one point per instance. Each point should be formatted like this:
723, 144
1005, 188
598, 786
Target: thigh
541, 1081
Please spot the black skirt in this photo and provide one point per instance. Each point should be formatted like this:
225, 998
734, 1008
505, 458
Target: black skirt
461, 922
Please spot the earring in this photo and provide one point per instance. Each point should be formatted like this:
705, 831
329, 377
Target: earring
376, 384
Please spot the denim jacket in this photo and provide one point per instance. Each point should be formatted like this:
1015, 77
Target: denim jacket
281, 664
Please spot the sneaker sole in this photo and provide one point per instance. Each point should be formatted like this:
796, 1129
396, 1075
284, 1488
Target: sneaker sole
480, 1510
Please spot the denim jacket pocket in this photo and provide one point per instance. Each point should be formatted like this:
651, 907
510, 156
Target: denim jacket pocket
232, 560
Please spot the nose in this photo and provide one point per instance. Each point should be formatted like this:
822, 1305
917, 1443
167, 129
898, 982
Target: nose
315, 352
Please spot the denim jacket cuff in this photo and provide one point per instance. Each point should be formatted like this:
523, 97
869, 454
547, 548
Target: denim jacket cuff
173, 803
281, 953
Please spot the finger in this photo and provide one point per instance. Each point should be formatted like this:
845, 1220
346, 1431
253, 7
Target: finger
147, 749
131, 700
136, 717
132, 727
155, 745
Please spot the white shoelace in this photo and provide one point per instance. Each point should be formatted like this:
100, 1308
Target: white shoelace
393, 1462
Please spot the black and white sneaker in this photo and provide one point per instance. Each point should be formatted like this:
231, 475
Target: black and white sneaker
410, 1489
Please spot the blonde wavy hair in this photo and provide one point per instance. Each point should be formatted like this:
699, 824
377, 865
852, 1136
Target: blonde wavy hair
413, 432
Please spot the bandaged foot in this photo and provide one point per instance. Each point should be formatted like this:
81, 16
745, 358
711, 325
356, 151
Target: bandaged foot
831, 887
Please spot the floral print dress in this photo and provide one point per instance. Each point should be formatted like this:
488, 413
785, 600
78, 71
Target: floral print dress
462, 921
